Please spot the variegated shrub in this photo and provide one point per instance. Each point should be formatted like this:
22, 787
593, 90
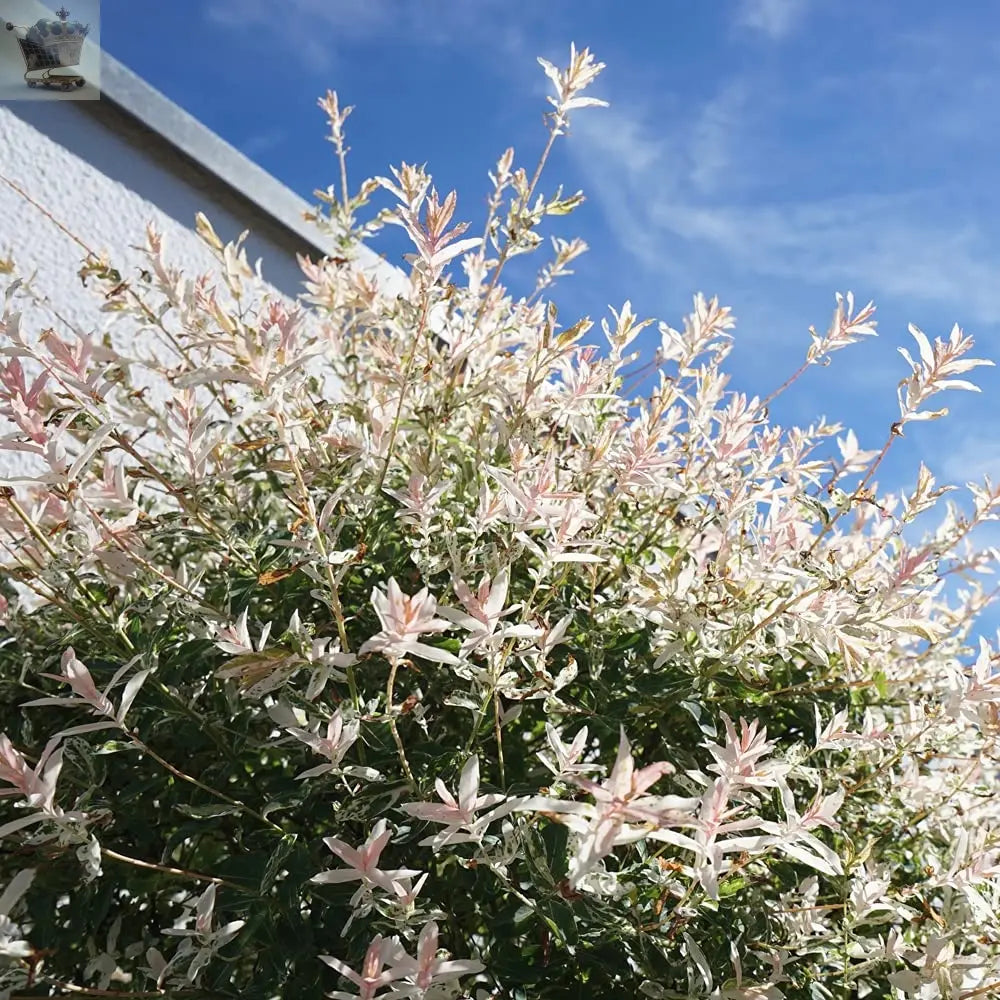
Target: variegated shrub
381, 645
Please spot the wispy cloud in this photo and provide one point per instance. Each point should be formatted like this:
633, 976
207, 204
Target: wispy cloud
974, 452
300, 19
729, 179
261, 142
317, 29
776, 19
711, 151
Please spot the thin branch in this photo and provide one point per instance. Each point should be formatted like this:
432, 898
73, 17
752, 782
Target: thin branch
137, 863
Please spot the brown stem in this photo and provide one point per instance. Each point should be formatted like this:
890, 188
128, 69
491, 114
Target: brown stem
393, 728
145, 748
137, 863
505, 252
893, 433
402, 389
310, 510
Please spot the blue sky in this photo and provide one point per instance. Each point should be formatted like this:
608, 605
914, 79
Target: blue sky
772, 152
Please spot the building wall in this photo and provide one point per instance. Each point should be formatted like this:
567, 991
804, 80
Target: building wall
103, 184
102, 173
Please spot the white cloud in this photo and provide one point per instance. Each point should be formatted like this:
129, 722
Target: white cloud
315, 29
260, 142
774, 18
711, 137
710, 182
299, 19
971, 456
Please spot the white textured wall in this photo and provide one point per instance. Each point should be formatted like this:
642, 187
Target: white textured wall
104, 191
104, 187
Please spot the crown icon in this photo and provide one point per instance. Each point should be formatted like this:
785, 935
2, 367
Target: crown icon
51, 43
47, 30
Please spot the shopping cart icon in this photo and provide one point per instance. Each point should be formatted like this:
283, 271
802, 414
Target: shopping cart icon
48, 46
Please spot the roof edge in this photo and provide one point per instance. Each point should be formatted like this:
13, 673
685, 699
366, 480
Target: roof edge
143, 102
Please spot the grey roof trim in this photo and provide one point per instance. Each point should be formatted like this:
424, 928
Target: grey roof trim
129, 92
123, 87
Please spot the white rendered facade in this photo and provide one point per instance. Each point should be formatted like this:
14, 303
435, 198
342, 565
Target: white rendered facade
100, 170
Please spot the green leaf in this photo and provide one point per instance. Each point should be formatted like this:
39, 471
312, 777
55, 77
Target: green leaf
555, 837
210, 811
732, 886
274, 865
561, 920
564, 206
881, 684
